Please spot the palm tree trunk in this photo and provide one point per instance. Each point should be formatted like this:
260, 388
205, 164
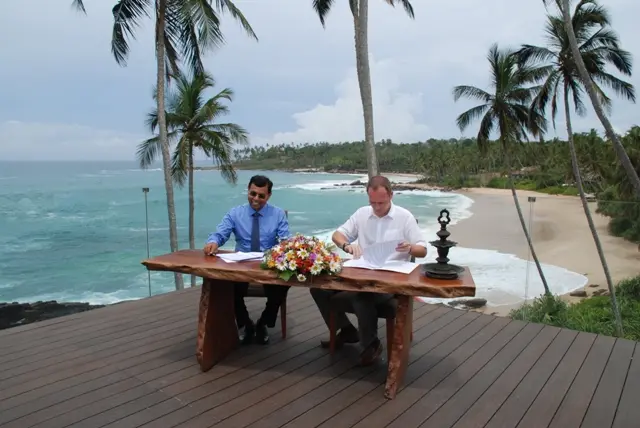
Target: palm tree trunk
587, 213
595, 101
161, 7
192, 239
512, 184
360, 24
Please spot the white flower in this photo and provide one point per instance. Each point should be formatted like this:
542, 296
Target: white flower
281, 266
293, 265
334, 267
303, 254
301, 277
316, 269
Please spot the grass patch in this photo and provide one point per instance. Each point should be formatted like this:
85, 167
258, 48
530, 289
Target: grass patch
593, 314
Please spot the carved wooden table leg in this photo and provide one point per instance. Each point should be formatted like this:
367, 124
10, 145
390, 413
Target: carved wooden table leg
217, 332
400, 347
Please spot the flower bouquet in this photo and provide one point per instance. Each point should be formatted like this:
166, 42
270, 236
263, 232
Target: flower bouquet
302, 257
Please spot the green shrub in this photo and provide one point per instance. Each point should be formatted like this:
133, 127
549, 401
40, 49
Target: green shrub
593, 315
629, 288
498, 183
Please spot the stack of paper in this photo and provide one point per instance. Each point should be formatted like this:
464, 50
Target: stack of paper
376, 257
378, 253
391, 265
240, 256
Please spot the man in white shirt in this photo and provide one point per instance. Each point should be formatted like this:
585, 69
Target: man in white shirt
381, 221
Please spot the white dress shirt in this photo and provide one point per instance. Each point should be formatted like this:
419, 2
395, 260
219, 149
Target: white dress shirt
398, 225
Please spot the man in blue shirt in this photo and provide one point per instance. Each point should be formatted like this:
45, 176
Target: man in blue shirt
257, 226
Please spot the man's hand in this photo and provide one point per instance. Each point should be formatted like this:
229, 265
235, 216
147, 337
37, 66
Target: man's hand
354, 250
403, 247
211, 249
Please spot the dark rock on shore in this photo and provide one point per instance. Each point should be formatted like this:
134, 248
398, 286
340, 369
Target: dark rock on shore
15, 314
469, 303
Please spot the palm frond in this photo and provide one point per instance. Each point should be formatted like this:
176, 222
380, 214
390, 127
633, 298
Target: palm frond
152, 121
534, 74
180, 161
576, 89
528, 54
474, 113
223, 5
322, 8
470, 92
235, 133
484, 132
619, 86
126, 17
148, 151
79, 5
546, 95
197, 28
406, 4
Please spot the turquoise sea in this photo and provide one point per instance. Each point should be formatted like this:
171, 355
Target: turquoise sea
76, 231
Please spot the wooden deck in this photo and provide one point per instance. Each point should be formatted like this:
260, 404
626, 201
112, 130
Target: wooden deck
133, 365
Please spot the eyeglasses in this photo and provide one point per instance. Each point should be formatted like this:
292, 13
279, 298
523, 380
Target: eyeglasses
258, 195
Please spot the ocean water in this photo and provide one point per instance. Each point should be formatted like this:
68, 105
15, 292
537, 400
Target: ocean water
76, 231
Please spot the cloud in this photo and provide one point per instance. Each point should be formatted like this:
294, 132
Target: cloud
397, 114
298, 83
60, 141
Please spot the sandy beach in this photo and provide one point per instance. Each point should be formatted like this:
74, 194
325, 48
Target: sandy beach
559, 230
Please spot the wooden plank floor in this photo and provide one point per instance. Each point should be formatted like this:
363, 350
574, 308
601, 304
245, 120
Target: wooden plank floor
133, 365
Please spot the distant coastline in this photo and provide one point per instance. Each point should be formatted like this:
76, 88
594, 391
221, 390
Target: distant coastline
404, 186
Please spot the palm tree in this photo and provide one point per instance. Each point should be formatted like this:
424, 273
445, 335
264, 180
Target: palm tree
360, 12
183, 29
506, 110
599, 46
583, 72
192, 122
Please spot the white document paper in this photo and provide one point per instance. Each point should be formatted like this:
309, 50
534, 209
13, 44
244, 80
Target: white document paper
240, 256
378, 253
398, 266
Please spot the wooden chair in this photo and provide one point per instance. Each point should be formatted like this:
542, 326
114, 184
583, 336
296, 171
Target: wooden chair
342, 301
257, 290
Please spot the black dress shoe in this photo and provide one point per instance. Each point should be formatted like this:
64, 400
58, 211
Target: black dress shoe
262, 334
247, 333
371, 354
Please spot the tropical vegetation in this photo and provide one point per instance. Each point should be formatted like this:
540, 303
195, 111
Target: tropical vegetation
598, 46
194, 124
543, 166
360, 12
593, 314
184, 31
506, 110
594, 96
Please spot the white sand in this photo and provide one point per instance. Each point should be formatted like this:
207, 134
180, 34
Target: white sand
559, 230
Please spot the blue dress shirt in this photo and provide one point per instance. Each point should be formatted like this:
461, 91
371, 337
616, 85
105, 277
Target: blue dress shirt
239, 221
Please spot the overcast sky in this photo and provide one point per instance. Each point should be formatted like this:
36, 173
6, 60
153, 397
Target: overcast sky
63, 96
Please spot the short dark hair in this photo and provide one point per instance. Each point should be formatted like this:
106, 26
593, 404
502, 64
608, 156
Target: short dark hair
378, 181
261, 181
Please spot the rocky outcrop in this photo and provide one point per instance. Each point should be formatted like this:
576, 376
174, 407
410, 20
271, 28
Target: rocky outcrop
398, 187
14, 314
474, 303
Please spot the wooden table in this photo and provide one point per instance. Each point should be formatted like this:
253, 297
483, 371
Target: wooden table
217, 332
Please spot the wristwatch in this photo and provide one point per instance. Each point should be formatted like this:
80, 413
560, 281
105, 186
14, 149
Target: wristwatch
344, 246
